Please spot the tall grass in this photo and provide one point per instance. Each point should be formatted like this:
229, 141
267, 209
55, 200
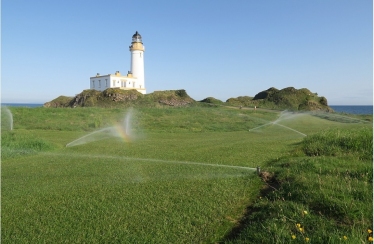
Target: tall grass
14, 144
341, 142
323, 197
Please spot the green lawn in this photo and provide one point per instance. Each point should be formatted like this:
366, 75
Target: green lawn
168, 185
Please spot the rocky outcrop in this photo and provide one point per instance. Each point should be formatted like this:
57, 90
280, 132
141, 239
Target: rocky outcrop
121, 95
86, 98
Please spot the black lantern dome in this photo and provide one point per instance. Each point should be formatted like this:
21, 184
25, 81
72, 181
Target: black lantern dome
137, 37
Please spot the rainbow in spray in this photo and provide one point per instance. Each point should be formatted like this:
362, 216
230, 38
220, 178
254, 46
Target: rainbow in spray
121, 130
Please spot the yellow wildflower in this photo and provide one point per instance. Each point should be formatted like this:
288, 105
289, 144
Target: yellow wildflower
370, 231
298, 225
370, 239
345, 237
301, 229
305, 212
307, 239
293, 237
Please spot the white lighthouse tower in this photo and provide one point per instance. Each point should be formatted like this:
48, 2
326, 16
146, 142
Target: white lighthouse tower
134, 80
137, 61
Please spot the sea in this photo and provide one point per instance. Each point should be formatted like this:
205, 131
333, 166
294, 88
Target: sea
349, 109
29, 105
353, 109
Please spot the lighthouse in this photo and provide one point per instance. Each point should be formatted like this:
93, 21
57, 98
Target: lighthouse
137, 60
134, 80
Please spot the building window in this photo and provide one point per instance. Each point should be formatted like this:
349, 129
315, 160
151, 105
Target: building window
106, 82
93, 84
114, 83
99, 83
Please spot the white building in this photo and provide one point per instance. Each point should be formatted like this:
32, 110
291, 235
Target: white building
134, 78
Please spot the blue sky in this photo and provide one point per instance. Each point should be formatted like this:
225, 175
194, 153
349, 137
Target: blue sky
209, 48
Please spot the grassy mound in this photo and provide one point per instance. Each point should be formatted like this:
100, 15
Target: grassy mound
175, 98
212, 100
114, 97
61, 101
287, 98
291, 98
241, 101
108, 98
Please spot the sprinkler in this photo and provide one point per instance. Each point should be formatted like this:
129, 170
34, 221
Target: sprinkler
258, 170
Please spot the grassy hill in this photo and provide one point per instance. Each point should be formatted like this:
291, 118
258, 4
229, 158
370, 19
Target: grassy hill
212, 100
287, 98
113, 97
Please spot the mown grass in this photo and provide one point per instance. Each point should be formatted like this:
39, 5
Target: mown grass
78, 198
145, 192
79, 194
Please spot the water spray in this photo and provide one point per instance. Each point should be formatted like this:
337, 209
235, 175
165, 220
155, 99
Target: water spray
284, 115
291, 129
261, 126
10, 115
120, 130
150, 160
91, 137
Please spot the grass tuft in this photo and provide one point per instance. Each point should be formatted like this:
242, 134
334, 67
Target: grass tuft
14, 144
